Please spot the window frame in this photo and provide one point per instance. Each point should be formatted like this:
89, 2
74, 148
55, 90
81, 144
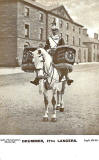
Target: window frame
79, 41
73, 28
67, 38
73, 40
27, 30
67, 26
41, 34
26, 14
60, 23
41, 17
84, 54
79, 30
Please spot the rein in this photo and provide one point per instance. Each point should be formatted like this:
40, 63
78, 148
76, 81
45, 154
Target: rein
52, 75
46, 73
49, 74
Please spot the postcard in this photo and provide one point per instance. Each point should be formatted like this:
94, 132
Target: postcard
49, 76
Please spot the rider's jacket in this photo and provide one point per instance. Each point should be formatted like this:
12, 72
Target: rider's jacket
54, 41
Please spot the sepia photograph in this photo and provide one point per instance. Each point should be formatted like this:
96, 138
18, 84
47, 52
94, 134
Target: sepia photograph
49, 67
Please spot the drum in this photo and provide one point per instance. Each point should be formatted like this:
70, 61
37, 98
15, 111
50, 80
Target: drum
27, 64
64, 55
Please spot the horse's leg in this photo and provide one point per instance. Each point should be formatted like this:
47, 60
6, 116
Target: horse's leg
58, 101
45, 117
53, 119
61, 103
61, 96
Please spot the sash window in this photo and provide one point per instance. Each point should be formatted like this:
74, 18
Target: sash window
26, 12
26, 30
41, 34
41, 17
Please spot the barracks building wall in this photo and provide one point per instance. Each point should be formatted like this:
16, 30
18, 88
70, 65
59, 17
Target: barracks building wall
24, 22
8, 32
31, 27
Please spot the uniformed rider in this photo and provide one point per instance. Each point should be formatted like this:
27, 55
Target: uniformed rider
53, 41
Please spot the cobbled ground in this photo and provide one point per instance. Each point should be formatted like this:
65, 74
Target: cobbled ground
22, 108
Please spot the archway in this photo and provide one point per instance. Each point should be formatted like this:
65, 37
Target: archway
27, 44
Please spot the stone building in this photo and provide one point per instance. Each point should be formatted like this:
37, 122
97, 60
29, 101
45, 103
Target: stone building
26, 22
93, 48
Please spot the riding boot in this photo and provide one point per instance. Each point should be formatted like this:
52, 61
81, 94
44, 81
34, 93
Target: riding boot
69, 81
35, 82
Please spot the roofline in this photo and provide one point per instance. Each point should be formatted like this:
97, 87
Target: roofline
50, 12
78, 24
65, 19
64, 9
34, 5
59, 16
71, 20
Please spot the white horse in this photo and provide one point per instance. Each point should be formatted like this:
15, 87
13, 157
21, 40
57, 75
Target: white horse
49, 78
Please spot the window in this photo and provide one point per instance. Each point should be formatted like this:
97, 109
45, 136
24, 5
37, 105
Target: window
26, 13
26, 30
79, 31
85, 54
61, 35
61, 23
79, 41
67, 26
67, 38
41, 34
41, 17
73, 40
94, 56
73, 28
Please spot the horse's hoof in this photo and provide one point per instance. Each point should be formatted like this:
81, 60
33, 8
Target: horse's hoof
58, 108
53, 119
45, 119
61, 109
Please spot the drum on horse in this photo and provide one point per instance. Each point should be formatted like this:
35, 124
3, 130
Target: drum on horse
49, 80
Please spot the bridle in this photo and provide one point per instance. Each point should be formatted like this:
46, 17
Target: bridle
45, 73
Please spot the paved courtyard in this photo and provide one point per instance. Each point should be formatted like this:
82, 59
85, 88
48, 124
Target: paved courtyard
21, 106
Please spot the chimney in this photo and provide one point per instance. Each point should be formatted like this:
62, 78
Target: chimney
85, 32
95, 36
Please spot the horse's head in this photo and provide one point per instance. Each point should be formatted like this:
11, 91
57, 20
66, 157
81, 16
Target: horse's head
42, 61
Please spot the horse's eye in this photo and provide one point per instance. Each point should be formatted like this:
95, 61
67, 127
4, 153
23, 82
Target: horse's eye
39, 51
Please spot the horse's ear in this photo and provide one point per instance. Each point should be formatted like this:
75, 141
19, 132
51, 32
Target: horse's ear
39, 51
